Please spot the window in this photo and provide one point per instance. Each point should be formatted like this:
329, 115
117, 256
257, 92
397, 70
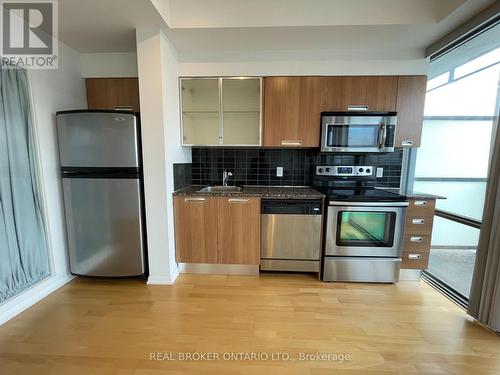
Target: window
460, 116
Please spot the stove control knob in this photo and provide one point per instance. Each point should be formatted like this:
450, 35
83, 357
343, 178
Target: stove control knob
368, 170
328, 170
360, 170
320, 170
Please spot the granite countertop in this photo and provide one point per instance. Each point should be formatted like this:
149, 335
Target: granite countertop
418, 195
275, 192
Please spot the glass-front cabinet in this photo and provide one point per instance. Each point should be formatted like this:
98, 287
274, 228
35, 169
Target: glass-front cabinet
221, 111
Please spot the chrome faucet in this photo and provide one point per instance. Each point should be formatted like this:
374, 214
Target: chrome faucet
225, 177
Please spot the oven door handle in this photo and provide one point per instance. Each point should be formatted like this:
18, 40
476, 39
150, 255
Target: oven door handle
368, 204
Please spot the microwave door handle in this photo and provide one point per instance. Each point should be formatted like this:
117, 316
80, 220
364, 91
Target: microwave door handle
382, 136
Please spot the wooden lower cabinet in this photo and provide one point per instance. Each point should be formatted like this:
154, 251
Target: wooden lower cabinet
418, 233
217, 230
195, 229
239, 231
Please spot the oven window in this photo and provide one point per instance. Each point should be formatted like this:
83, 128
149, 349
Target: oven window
372, 229
352, 136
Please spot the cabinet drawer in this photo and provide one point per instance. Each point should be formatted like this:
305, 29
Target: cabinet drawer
415, 260
421, 225
421, 207
417, 242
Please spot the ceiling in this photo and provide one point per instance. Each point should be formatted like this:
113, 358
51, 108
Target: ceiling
242, 30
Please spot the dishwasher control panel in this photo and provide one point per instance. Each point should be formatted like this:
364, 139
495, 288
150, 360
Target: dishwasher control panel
345, 170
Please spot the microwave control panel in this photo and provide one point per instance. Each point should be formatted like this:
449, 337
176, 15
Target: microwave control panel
345, 171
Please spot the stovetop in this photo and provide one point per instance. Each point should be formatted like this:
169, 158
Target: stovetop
364, 194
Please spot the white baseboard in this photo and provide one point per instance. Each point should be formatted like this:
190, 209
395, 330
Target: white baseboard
29, 297
162, 280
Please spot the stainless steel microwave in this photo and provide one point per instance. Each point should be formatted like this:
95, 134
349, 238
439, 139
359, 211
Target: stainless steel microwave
358, 131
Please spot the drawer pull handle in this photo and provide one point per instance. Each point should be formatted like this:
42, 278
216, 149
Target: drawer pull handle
291, 143
416, 239
235, 200
414, 256
357, 108
194, 200
418, 221
407, 143
420, 203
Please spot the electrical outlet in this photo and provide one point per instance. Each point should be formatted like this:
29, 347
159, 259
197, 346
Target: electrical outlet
279, 171
380, 172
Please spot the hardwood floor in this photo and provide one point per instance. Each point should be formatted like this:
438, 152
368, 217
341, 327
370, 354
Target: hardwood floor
96, 326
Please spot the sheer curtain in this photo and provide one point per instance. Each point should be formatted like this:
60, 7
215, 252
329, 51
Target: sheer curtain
23, 246
484, 304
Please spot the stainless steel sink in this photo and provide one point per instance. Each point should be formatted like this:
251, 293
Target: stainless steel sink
220, 189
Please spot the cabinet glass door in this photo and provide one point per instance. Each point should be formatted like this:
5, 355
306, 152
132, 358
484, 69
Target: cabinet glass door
241, 111
200, 111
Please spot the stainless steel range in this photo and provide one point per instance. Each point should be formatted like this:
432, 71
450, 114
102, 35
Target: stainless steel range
364, 226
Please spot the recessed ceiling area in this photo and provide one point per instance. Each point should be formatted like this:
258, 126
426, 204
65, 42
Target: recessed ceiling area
267, 30
293, 13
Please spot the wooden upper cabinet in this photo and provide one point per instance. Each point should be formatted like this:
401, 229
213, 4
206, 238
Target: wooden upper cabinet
195, 229
292, 107
113, 93
281, 111
376, 93
410, 107
239, 231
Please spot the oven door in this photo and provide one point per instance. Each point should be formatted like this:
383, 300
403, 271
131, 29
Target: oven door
365, 229
357, 134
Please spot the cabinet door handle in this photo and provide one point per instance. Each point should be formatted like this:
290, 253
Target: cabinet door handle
123, 108
416, 239
291, 143
407, 143
420, 203
237, 200
414, 256
194, 200
357, 107
417, 221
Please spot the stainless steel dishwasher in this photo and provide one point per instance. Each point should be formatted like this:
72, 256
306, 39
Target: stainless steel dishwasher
291, 235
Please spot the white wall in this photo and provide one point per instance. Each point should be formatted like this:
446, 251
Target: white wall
51, 90
341, 66
174, 152
113, 64
158, 91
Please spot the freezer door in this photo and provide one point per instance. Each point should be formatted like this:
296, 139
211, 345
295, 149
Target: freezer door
93, 139
104, 226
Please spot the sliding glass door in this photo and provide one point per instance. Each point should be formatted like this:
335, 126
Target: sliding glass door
460, 120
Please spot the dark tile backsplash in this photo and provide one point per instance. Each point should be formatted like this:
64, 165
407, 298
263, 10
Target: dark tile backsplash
182, 175
252, 166
391, 162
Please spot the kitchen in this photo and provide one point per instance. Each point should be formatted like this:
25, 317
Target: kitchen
375, 115
286, 191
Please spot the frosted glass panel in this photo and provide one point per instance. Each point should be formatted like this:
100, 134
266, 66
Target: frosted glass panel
464, 198
241, 128
200, 111
201, 128
241, 111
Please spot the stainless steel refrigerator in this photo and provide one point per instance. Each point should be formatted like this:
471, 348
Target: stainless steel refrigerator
100, 155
